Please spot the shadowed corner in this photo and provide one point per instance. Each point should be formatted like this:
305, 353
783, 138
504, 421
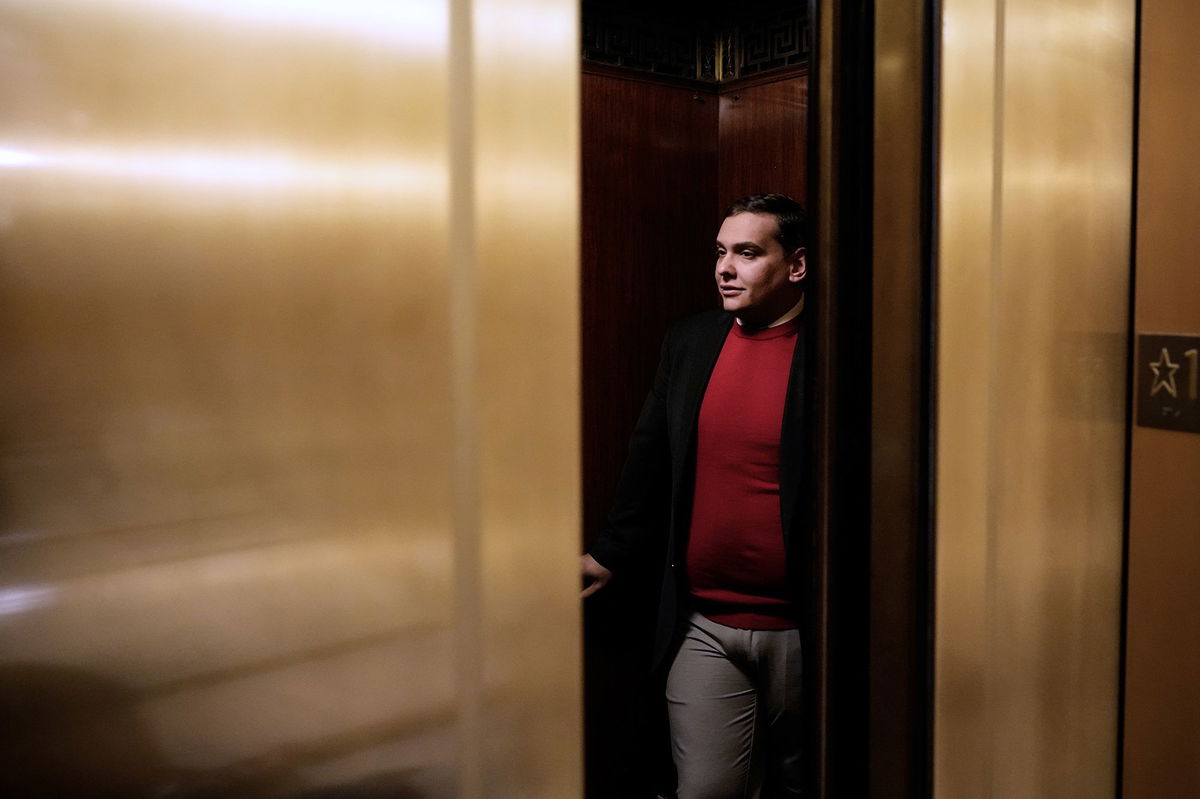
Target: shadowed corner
68, 732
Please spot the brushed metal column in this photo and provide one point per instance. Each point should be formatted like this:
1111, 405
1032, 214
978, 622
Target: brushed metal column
1033, 280
526, 75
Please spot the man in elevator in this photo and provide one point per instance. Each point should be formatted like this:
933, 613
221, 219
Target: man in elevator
714, 475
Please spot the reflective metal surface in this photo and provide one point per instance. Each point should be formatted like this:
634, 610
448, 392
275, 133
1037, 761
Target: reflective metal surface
899, 708
1035, 164
288, 457
1162, 658
527, 379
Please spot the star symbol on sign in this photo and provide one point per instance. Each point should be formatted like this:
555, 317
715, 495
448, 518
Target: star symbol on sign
1168, 382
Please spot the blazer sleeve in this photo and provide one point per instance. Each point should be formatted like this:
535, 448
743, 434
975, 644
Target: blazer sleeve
640, 511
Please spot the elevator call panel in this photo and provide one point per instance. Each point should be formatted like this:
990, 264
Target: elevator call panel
1168, 382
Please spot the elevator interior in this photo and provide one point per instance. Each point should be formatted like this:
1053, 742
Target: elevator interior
685, 107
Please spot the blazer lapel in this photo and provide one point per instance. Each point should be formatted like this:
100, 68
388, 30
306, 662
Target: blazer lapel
791, 440
697, 357
706, 349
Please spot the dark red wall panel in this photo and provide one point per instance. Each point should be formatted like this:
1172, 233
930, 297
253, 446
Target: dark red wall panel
764, 140
649, 176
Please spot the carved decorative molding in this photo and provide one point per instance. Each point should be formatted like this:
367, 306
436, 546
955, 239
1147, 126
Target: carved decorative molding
624, 41
768, 44
708, 50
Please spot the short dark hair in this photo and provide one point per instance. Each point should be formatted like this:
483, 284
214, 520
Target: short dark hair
789, 215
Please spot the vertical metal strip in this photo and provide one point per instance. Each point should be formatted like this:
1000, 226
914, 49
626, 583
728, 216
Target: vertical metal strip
992, 461
823, 189
966, 217
899, 598
464, 479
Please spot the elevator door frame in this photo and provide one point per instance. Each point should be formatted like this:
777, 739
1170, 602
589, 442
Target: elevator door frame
871, 189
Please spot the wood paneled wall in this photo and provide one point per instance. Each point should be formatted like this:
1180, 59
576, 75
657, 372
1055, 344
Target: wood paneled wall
763, 139
649, 188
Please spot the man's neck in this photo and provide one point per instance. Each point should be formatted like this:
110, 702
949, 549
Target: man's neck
787, 317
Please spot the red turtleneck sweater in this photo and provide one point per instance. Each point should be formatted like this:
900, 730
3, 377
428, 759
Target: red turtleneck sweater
735, 558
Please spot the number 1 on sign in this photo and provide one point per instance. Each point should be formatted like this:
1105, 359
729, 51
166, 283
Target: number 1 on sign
1193, 374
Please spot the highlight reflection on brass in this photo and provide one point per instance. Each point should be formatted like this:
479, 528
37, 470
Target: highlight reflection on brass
229, 559
1033, 220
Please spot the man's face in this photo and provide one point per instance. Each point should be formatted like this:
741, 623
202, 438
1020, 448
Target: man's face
757, 280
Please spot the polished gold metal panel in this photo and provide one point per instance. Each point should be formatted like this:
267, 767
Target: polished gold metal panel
527, 348
1162, 694
1035, 164
246, 447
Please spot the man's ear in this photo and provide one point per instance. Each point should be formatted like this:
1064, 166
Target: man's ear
797, 265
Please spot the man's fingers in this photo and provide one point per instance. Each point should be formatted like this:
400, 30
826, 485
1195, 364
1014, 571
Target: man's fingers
595, 585
593, 571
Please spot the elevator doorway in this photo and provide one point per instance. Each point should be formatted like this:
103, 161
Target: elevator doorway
684, 108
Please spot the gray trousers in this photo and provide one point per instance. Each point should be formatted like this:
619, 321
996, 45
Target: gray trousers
733, 697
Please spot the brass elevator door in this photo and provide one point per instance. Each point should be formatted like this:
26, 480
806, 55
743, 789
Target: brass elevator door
288, 462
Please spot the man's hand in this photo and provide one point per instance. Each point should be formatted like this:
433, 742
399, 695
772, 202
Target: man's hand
593, 571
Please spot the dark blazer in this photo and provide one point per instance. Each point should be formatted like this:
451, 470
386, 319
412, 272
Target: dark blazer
652, 505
